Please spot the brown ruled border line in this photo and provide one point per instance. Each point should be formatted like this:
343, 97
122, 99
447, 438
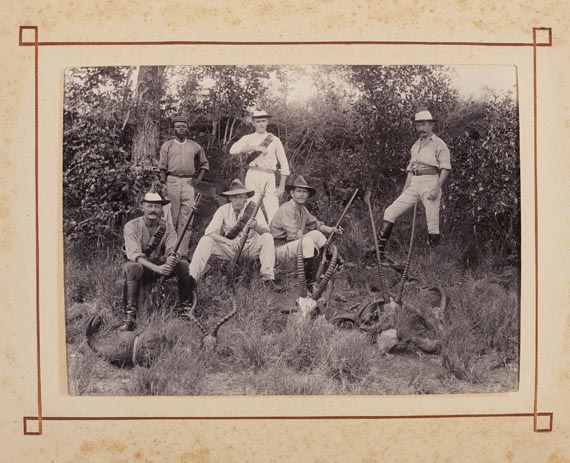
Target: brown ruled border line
40, 418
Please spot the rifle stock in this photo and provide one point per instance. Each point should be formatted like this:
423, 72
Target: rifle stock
321, 268
243, 239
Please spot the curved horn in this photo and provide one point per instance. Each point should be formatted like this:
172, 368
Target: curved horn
409, 259
328, 274
383, 285
442, 297
192, 316
117, 350
300, 264
228, 316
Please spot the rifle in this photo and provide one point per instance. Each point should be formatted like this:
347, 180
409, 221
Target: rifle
243, 239
187, 225
321, 268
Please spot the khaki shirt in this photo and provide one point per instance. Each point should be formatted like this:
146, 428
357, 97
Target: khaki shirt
224, 220
432, 152
287, 221
137, 236
179, 158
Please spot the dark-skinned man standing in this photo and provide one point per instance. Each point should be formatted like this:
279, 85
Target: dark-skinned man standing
180, 162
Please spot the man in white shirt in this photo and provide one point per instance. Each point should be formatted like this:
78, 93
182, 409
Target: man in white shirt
428, 170
269, 153
223, 235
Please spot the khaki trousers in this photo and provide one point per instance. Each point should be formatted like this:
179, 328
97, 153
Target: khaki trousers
418, 190
181, 196
258, 181
312, 241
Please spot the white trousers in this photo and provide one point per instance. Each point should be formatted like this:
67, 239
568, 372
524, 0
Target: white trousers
260, 181
259, 246
313, 240
418, 190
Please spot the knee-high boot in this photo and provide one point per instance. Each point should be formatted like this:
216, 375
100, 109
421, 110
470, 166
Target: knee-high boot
132, 288
383, 238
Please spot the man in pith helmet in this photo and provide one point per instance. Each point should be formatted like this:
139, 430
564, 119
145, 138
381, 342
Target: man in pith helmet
181, 161
149, 245
269, 153
223, 234
427, 170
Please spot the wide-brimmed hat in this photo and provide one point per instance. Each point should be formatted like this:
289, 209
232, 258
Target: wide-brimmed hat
179, 118
300, 182
153, 197
238, 188
260, 114
424, 116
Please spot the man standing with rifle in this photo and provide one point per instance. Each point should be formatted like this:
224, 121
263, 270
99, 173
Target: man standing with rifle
149, 248
223, 236
287, 223
180, 162
268, 153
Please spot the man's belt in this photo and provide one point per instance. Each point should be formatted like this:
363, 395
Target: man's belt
171, 174
262, 169
429, 171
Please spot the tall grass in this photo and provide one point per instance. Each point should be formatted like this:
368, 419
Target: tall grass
263, 351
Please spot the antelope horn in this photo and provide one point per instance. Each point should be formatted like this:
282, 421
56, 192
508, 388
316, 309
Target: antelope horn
192, 317
300, 264
383, 285
409, 258
442, 297
328, 274
228, 316
118, 349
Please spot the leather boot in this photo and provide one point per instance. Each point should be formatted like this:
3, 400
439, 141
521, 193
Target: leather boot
186, 291
383, 238
311, 265
433, 239
131, 304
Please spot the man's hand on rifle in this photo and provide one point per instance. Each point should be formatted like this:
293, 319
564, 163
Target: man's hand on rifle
234, 244
251, 224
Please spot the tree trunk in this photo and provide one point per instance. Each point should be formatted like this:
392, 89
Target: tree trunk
149, 92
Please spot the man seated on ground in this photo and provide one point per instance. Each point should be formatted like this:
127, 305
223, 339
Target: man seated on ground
286, 228
223, 234
149, 245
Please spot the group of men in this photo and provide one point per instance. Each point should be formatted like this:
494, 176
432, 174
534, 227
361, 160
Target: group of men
150, 240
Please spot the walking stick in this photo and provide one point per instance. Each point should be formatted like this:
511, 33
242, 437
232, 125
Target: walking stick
383, 287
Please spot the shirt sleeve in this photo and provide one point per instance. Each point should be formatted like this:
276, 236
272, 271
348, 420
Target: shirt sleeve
132, 242
163, 159
238, 145
276, 225
281, 157
443, 156
203, 164
312, 222
217, 222
170, 238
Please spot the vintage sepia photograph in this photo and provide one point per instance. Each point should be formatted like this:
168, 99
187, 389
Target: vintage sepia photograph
291, 230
